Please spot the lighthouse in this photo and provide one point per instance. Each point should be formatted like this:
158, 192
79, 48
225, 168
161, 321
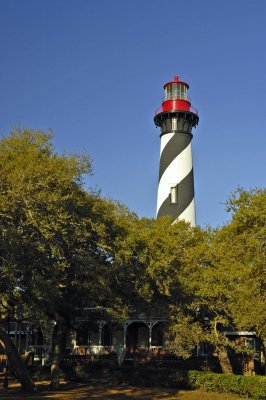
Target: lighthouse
176, 117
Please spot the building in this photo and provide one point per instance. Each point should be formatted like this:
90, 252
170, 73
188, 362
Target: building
176, 117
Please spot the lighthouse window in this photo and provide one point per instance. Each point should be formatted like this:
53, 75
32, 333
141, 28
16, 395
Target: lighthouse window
176, 91
183, 92
178, 94
168, 92
173, 194
174, 124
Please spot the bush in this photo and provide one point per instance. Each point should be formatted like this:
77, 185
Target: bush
40, 373
249, 386
77, 368
83, 368
145, 376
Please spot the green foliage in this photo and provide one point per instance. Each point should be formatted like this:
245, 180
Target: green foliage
152, 377
40, 372
62, 248
247, 234
185, 334
248, 386
224, 276
82, 369
56, 244
237, 272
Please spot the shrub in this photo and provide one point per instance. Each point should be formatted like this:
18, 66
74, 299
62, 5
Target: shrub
40, 373
249, 386
145, 376
83, 368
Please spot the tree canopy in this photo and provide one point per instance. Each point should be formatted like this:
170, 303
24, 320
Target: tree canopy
56, 246
63, 247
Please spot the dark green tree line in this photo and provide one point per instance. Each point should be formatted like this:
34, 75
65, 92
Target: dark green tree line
63, 247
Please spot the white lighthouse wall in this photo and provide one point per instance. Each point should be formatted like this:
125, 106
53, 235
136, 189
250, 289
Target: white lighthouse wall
189, 214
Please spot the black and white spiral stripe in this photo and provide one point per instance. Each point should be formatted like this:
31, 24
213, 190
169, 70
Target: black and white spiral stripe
176, 171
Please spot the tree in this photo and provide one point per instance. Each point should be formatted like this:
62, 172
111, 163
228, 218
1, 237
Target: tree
56, 236
226, 282
246, 239
15, 364
247, 234
40, 201
147, 260
150, 264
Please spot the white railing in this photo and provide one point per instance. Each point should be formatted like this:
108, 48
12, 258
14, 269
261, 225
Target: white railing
96, 349
158, 110
194, 110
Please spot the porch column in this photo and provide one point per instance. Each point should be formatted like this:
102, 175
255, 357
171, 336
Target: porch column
16, 331
53, 323
27, 336
100, 325
74, 339
150, 325
19, 337
126, 324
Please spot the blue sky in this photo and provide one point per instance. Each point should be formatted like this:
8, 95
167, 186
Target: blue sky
93, 71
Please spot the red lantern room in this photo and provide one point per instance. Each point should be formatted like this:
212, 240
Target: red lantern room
176, 100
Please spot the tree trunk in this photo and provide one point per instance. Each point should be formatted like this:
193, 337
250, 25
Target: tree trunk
16, 365
224, 360
59, 346
264, 354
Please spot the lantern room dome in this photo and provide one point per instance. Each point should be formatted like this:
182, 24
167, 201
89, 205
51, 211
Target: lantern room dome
175, 100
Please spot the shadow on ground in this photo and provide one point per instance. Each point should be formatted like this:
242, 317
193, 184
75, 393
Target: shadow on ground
82, 392
102, 390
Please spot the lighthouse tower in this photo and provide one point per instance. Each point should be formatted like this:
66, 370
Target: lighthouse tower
176, 118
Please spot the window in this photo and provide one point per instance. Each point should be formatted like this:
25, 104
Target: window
173, 194
174, 124
250, 343
176, 91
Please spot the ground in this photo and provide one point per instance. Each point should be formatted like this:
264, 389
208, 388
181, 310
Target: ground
76, 391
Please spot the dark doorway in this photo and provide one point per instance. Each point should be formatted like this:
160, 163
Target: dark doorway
106, 336
157, 334
137, 337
